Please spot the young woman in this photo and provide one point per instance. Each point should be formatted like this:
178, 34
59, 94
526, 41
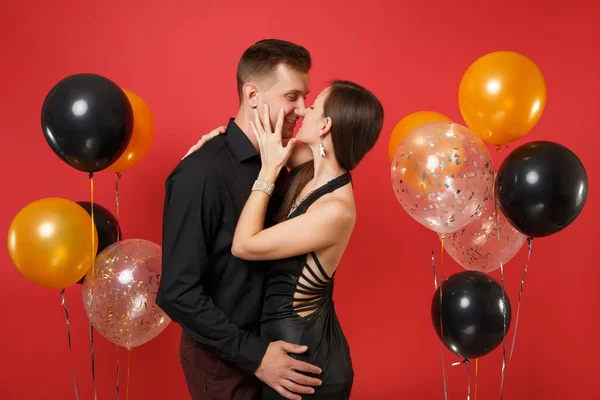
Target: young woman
316, 222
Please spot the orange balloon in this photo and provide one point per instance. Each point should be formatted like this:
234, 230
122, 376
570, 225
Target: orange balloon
408, 124
141, 138
502, 96
50, 242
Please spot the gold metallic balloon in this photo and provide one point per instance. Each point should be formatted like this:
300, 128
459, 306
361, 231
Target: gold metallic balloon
50, 242
141, 138
502, 96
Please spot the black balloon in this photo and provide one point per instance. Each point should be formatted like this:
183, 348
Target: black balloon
87, 120
472, 314
541, 188
109, 231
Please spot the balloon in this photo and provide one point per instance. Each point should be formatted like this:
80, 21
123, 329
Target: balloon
475, 247
141, 138
502, 96
87, 121
472, 310
442, 175
408, 124
50, 242
541, 188
119, 295
107, 226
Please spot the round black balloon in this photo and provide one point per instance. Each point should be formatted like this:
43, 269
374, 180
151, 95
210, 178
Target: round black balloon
472, 314
109, 231
87, 120
541, 188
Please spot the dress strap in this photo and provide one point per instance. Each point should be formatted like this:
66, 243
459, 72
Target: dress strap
327, 188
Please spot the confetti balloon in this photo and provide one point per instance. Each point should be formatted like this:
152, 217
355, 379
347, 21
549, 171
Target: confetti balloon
119, 294
476, 247
442, 175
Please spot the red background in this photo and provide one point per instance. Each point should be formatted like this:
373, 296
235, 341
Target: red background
180, 56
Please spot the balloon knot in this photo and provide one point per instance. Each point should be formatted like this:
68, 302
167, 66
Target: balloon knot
465, 361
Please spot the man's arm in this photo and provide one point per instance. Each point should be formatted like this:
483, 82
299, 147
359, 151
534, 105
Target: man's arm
191, 214
300, 155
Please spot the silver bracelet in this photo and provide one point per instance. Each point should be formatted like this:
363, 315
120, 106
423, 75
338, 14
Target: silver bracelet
264, 186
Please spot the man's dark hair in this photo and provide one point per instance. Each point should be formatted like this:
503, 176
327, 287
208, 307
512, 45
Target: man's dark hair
263, 57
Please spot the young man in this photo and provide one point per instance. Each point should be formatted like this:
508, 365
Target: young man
215, 297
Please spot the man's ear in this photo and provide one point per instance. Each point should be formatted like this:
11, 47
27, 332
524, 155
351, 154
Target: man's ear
250, 93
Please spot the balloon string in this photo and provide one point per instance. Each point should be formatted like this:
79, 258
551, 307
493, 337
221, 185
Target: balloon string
92, 359
64, 304
91, 176
93, 278
476, 376
118, 372
468, 381
118, 174
128, 372
512, 347
466, 361
435, 283
503, 300
117, 348
529, 251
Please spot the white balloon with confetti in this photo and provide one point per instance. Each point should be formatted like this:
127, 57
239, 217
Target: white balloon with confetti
119, 294
442, 175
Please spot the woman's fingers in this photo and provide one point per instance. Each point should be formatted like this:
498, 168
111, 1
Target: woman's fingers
267, 120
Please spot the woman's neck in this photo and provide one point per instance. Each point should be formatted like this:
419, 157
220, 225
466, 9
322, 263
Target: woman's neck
326, 169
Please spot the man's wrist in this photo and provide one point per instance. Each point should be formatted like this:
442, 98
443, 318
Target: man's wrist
252, 350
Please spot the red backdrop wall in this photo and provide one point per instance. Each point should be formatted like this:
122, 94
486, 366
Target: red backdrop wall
180, 56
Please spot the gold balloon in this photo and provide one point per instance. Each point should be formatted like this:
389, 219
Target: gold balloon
50, 242
410, 123
502, 96
141, 138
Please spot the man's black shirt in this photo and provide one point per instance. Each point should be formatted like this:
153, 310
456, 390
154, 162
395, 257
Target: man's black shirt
214, 296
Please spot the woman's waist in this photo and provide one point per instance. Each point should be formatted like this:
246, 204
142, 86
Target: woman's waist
286, 327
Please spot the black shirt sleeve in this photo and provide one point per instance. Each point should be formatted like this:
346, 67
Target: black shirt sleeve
191, 214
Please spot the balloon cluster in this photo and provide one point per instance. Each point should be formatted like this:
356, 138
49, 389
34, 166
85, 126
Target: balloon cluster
93, 125
443, 177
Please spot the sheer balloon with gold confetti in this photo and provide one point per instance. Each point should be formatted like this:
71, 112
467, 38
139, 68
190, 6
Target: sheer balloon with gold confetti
486, 242
442, 175
119, 295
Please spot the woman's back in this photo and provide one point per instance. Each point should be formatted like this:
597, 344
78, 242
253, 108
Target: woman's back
298, 308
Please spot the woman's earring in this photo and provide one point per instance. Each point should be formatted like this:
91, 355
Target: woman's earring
322, 148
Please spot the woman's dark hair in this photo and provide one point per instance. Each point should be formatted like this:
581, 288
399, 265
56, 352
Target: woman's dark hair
356, 122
